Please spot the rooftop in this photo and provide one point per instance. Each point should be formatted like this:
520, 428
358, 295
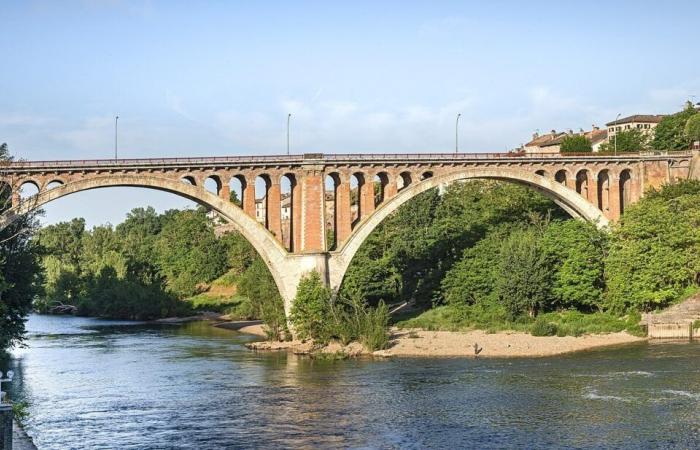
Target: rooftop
643, 118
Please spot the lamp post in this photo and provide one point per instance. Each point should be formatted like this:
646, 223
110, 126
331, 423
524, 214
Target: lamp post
116, 121
289, 116
457, 133
616, 119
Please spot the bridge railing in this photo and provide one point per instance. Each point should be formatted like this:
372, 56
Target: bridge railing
296, 159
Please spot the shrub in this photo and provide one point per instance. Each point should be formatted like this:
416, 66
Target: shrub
311, 309
542, 327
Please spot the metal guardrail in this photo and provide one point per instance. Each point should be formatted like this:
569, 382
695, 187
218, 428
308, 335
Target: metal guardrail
292, 159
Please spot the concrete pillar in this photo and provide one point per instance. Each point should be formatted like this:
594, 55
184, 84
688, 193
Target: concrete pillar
295, 225
614, 199
16, 199
313, 237
367, 196
390, 190
593, 188
274, 208
343, 213
225, 191
249, 196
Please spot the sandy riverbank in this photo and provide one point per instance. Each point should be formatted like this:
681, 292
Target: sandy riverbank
254, 327
420, 343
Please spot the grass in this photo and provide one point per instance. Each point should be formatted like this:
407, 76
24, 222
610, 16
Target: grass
492, 320
238, 307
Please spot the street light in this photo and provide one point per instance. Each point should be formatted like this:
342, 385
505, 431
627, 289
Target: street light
116, 120
289, 116
10, 375
616, 119
457, 133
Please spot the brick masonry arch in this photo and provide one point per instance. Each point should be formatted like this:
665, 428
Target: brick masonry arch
563, 196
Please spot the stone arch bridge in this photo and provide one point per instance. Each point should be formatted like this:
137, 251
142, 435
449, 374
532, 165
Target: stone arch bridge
367, 188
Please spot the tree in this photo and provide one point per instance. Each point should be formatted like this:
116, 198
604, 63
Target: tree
311, 308
692, 128
669, 134
524, 280
187, 265
575, 253
18, 267
632, 140
576, 143
652, 259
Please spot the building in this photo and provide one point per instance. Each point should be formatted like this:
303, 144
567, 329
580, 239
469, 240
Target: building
641, 122
545, 143
551, 143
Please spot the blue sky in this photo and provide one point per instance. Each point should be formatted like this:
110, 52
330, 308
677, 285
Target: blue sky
218, 78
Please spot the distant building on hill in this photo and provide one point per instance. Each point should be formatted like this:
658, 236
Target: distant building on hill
642, 122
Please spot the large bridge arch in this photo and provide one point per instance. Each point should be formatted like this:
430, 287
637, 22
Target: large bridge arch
565, 197
272, 252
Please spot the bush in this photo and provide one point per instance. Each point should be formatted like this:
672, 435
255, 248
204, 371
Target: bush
542, 327
311, 309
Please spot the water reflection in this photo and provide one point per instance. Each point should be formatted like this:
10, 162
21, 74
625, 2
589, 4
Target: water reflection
97, 384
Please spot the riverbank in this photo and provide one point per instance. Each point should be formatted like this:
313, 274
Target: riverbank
20, 439
420, 343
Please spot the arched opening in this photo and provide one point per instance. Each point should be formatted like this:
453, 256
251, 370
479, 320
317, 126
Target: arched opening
604, 191
426, 175
381, 182
332, 184
271, 251
560, 177
213, 184
262, 186
625, 190
573, 204
541, 172
287, 221
582, 183
53, 184
236, 186
28, 189
189, 179
404, 180
357, 181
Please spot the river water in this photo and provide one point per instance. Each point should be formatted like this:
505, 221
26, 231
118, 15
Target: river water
94, 384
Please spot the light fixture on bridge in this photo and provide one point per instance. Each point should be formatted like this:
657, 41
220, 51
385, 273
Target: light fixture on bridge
10, 375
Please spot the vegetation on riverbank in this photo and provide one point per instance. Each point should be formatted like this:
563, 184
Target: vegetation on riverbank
146, 266
18, 268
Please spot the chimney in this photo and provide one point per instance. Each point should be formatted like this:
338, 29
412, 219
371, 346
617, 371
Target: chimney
535, 135
595, 128
554, 132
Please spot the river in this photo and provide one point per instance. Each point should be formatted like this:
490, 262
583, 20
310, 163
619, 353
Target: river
94, 384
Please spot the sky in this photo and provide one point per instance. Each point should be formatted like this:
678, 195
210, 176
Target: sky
219, 78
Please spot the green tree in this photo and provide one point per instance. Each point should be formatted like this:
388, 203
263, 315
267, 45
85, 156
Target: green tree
670, 134
632, 140
692, 128
18, 268
652, 259
184, 264
259, 286
311, 308
575, 252
575, 144
524, 280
